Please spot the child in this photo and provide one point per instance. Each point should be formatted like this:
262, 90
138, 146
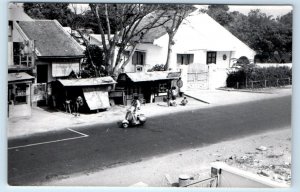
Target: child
184, 101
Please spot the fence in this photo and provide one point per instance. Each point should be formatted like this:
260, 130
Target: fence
264, 83
209, 182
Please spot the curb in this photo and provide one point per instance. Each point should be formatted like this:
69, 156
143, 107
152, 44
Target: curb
196, 99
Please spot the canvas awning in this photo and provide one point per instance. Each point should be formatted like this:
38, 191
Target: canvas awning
87, 82
22, 76
96, 98
64, 69
153, 76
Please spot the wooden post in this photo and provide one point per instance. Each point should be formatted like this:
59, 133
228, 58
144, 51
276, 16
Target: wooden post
246, 84
252, 84
237, 85
277, 82
265, 83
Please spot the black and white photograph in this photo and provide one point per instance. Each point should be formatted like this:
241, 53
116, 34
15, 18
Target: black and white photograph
175, 95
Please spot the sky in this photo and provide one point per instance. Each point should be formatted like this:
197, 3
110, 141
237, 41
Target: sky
277, 10
269, 10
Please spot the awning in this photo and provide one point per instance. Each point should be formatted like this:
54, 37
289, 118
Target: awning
87, 82
96, 98
64, 69
153, 76
22, 76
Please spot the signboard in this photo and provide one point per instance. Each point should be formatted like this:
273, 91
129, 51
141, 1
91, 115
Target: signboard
179, 83
173, 75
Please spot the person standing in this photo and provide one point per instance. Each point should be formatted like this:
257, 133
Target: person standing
173, 96
78, 104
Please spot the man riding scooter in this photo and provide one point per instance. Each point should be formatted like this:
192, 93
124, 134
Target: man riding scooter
132, 116
134, 108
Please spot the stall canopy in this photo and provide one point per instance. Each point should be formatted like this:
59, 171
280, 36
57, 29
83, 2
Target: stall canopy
87, 82
96, 97
22, 76
153, 76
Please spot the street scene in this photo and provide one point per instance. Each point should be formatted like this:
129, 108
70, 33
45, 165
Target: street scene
149, 95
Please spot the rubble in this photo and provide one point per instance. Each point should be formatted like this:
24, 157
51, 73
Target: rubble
262, 148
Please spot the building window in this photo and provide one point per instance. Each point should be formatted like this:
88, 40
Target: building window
18, 93
185, 59
10, 28
211, 57
138, 58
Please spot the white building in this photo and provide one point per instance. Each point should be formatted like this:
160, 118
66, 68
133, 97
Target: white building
203, 50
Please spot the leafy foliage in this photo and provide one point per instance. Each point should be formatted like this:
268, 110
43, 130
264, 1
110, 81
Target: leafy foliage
94, 65
261, 77
58, 11
157, 67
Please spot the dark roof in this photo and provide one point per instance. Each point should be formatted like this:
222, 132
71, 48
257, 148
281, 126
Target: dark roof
51, 40
159, 31
153, 33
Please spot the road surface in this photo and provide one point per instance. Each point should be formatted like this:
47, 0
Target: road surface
56, 155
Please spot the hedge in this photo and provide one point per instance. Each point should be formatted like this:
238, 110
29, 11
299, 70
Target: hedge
260, 77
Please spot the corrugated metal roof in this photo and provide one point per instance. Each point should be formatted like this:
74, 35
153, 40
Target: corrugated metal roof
19, 77
153, 76
51, 40
87, 82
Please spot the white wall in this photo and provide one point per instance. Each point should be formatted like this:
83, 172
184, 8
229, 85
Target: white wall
234, 177
154, 55
221, 63
10, 54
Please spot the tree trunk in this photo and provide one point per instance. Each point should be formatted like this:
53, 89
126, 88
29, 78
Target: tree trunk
170, 44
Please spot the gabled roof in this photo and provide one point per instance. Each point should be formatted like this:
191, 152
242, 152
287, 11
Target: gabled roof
155, 32
212, 35
51, 40
97, 40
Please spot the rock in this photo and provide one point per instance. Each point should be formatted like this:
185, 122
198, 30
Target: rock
262, 148
272, 166
263, 173
244, 157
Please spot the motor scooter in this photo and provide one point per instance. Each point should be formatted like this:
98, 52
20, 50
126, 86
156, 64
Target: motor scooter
129, 120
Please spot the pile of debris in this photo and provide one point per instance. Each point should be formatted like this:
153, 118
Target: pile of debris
265, 162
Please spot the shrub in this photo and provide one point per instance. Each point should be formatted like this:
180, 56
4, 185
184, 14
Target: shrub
157, 67
275, 76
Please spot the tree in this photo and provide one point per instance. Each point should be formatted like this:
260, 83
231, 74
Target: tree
58, 11
220, 14
131, 22
177, 13
94, 65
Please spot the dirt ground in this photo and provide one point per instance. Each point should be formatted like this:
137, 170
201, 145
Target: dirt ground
266, 154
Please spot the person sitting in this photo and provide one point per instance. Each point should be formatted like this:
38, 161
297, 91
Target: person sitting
184, 101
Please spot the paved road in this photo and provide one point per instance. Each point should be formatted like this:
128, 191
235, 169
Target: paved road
58, 154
